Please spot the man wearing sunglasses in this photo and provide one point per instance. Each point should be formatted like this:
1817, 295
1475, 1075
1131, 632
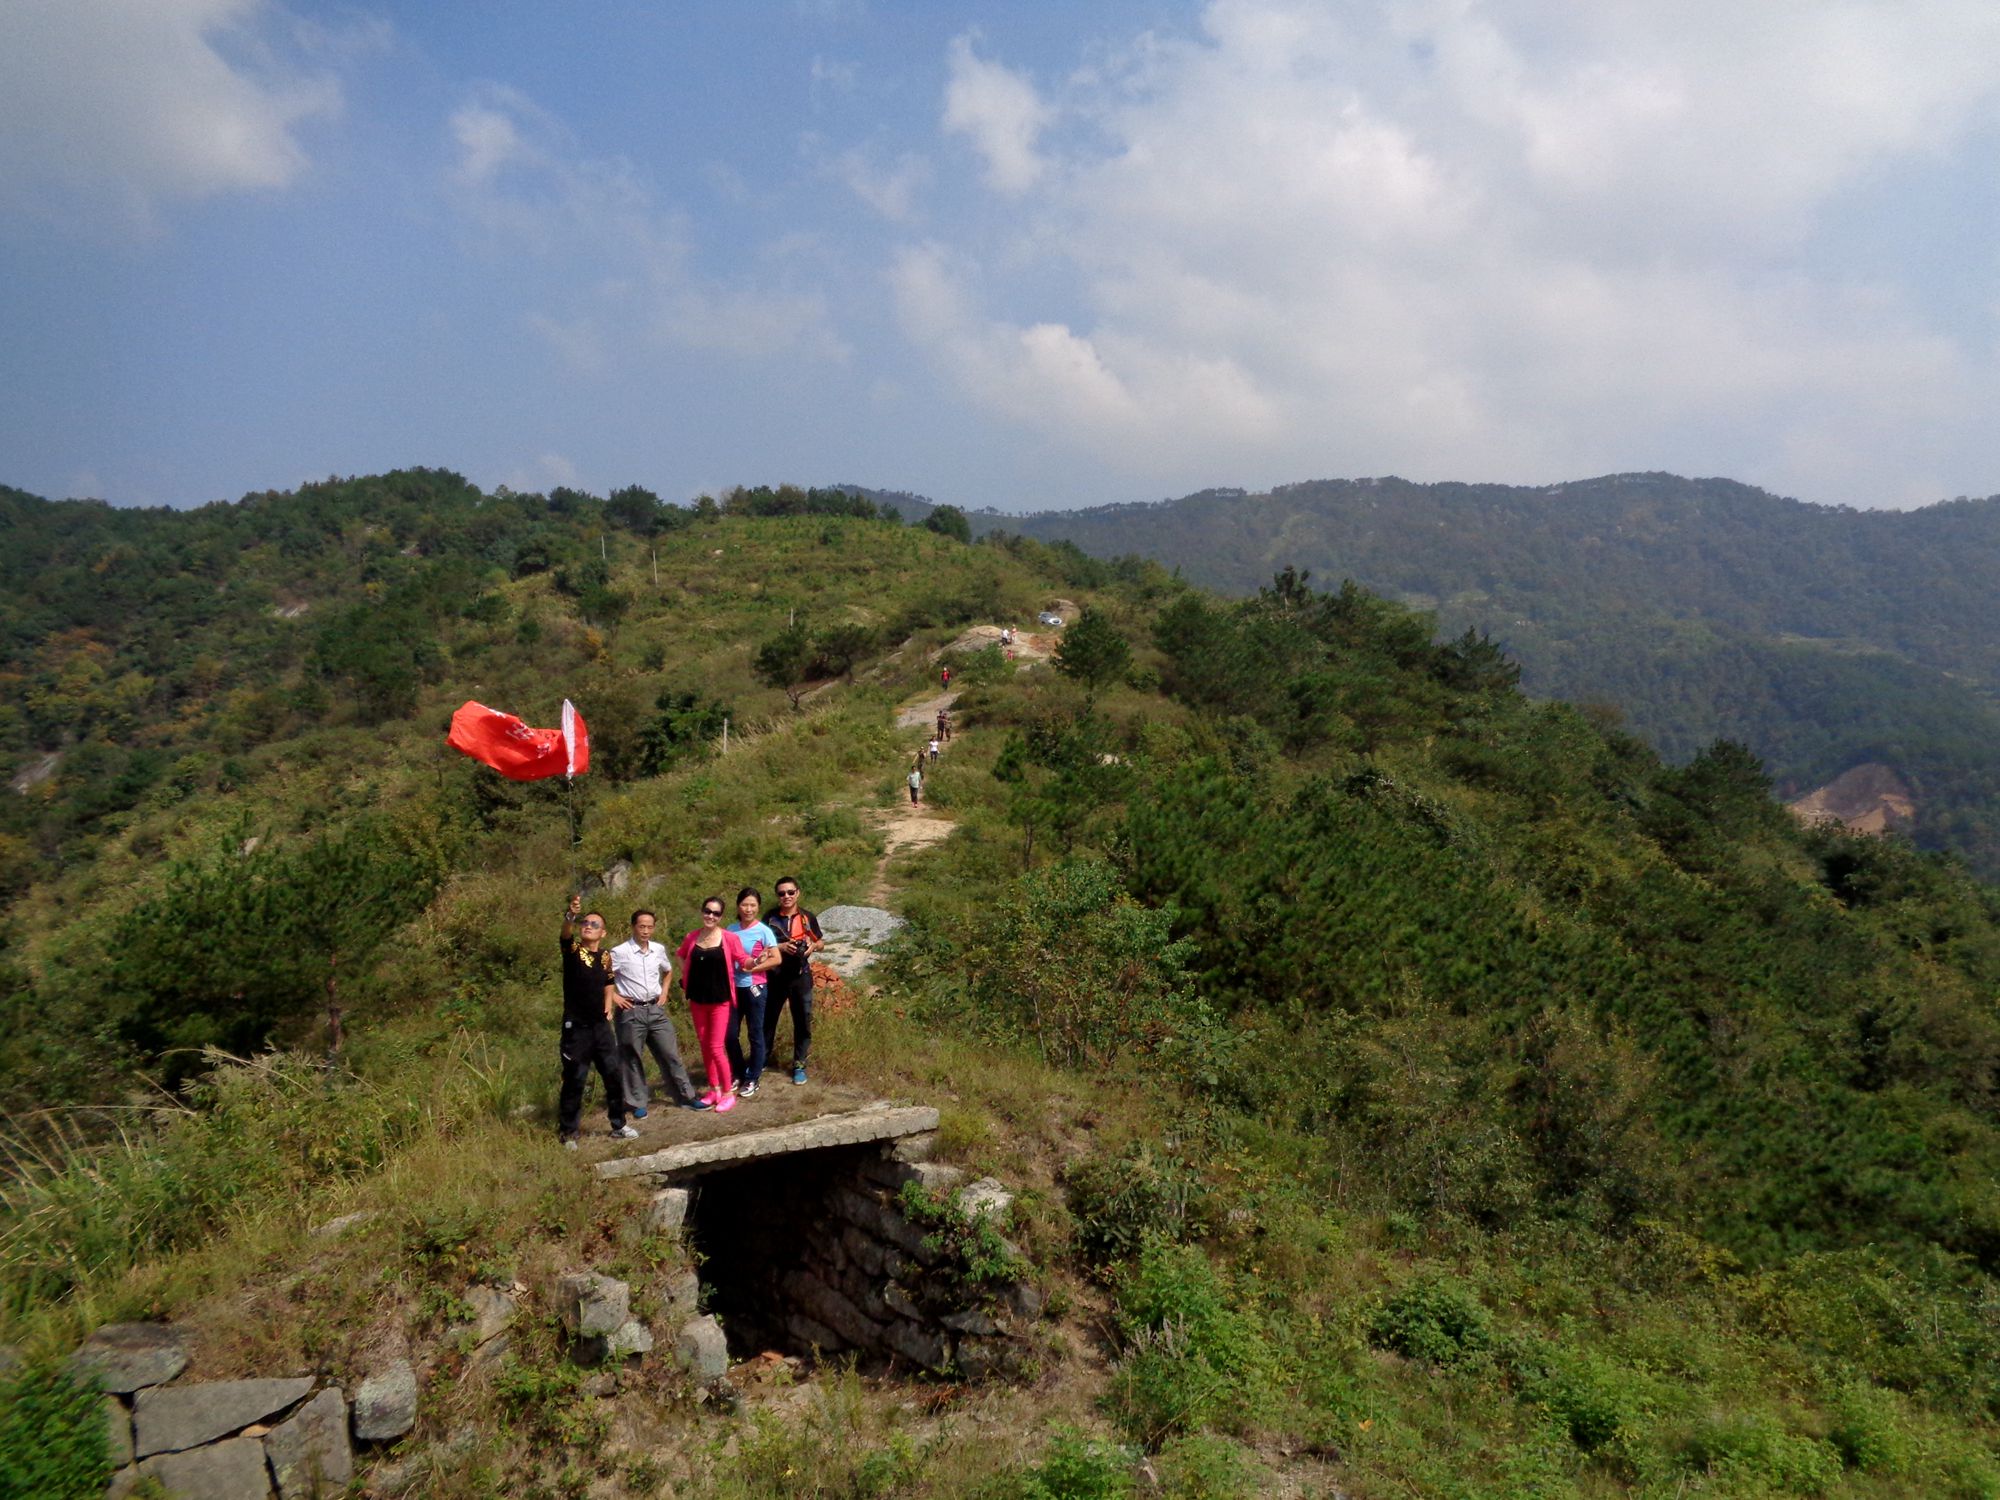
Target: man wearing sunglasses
792, 981
588, 1040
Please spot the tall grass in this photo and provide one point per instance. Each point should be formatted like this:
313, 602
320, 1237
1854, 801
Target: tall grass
85, 1198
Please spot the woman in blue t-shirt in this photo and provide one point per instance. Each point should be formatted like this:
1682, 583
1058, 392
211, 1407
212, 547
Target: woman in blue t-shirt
752, 986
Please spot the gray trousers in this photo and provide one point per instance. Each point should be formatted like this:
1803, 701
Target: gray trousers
646, 1028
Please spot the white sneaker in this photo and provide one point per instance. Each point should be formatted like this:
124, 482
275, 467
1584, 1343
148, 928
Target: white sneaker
570, 1144
624, 1133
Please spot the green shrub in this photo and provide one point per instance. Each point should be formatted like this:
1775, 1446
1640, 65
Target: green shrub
1073, 1467
1592, 1401
970, 1243
1205, 1467
1436, 1320
1868, 1430
1196, 1354
1121, 1201
1749, 1452
53, 1444
1069, 963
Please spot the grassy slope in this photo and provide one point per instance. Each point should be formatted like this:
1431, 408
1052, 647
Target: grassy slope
1588, 1363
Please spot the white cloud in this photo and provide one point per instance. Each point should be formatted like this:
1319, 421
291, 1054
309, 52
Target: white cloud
1000, 112
833, 74
1118, 389
627, 264
114, 108
1474, 238
891, 189
546, 471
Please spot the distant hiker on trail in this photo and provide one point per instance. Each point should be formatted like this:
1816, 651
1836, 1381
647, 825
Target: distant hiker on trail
641, 971
934, 750
792, 981
710, 957
944, 725
916, 786
588, 1040
944, 677
752, 990
1007, 635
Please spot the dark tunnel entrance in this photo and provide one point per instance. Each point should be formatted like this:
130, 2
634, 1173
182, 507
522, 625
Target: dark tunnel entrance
758, 1228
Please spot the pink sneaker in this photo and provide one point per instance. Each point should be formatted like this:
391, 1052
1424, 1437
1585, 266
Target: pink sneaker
725, 1104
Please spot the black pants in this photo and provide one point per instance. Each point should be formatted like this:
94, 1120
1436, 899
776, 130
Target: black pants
799, 993
587, 1045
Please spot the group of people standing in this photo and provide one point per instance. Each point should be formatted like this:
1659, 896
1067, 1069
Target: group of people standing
737, 980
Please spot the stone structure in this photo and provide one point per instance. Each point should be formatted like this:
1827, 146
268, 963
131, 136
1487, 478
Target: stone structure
855, 1127
804, 1238
817, 1255
217, 1439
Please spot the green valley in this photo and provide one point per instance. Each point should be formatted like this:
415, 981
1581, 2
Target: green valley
1411, 1087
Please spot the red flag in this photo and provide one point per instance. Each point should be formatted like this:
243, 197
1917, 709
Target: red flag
517, 751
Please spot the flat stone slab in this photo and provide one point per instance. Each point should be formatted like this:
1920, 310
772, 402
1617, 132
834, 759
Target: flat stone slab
309, 1454
126, 1357
866, 924
170, 1418
852, 1129
223, 1471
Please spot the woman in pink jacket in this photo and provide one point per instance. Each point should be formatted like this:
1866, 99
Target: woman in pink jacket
709, 958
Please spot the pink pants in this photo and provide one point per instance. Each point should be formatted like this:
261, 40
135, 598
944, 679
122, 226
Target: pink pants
711, 1031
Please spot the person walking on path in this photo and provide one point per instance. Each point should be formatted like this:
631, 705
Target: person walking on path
944, 677
792, 981
710, 957
641, 971
588, 1040
916, 786
752, 990
944, 725
934, 750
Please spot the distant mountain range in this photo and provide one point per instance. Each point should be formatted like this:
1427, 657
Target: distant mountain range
1822, 637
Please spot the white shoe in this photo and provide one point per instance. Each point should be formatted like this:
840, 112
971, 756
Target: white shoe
570, 1144
624, 1133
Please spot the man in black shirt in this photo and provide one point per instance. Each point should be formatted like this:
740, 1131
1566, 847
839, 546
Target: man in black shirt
798, 934
588, 1040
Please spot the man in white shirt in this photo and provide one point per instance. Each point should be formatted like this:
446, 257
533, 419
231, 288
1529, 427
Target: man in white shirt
641, 971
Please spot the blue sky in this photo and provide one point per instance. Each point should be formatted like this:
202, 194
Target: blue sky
1021, 255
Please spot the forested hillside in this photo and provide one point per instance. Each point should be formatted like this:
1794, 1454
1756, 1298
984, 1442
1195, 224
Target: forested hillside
1821, 637
1415, 1087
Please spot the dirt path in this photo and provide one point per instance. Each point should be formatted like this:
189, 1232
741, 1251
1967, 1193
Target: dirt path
923, 712
904, 829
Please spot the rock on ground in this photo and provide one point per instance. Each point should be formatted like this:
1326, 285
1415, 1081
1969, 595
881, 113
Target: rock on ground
985, 1196
170, 1418
702, 1350
222, 1471
117, 1432
386, 1405
125, 1357
591, 1304
867, 924
309, 1453
853, 933
680, 1293
492, 1311
668, 1211
629, 1340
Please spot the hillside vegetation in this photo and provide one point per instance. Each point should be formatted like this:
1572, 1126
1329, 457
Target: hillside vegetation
1414, 1087
1821, 637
